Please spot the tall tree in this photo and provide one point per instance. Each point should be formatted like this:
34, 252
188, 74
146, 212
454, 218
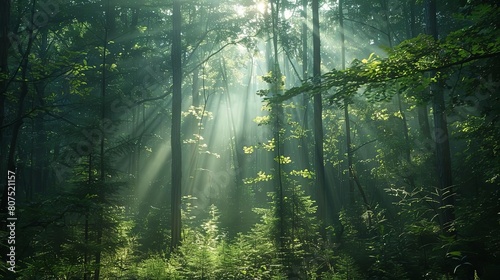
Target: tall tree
102, 174
443, 157
318, 122
4, 54
346, 106
277, 111
176, 179
423, 118
4, 74
353, 180
19, 115
304, 33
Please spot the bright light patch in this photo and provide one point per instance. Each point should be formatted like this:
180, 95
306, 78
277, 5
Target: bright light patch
240, 10
242, 48
261, 7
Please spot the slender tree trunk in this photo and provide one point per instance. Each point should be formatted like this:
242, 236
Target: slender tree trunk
86, 257
407, 150
176, 126
4, 69
108, 28
346, 109
277, 112
443, 156
422, 112
16, 128
192, 127
407, 173
4, 74
350, 166
195, 89
305, 157
318, 123
303, 35
238, 159
423, 123
40, 153
349, 152
385, 8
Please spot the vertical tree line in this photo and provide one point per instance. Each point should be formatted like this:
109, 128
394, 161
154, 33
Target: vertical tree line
441, 135
176, 175
322, 195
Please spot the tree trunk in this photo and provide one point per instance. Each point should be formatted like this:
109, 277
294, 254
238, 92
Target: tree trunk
318, 123
195, 90
235, 195
86, 257
108, 29
4, 73
443, 157
423, 123
407, 173
41, 151
346, 109
305, 157
176, 126
277, 113
423, 117
4, 54
16, 127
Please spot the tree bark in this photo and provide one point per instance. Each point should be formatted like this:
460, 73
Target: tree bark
305, 157
318, 123
176, 126
277, 113
40, 153
4, 55
443, 156
102, 174
4, 73
423, 116
346, 109
16, 128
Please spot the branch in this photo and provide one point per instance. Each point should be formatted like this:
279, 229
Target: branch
213, 54
21, 118
62, 118
139, 102
350, 78
364, 144
221, 49
366, 24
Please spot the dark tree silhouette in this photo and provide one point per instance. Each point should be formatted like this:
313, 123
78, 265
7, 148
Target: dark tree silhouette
442, 138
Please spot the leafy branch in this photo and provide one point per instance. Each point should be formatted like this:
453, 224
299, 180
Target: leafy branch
409, 59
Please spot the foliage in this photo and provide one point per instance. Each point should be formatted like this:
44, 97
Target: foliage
409, 59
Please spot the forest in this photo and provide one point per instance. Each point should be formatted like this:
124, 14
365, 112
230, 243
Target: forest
250, 139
